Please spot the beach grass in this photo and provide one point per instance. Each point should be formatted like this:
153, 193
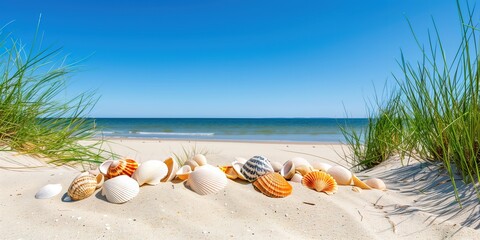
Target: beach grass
36, 116
436, 111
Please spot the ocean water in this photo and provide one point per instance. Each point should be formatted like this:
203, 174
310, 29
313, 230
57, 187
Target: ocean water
251, 129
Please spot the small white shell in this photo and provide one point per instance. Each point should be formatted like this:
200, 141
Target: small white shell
321, 166
172, 169
150, 172
200, 159
297, 178
376, 183
183, 172
103, 168
120, 189
288, 170
342, 175
237, 166
207, 179
192, 164
276, 166
299, 161
48, 191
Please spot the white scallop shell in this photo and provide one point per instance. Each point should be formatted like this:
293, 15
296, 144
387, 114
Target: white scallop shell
183, 172
120, 189
297, 178
207, 179
200, 159
48, 191
150, 172
321, 166
172, 169
376, 183
299, 161
288, 170
237, 166
342, 175
276, 166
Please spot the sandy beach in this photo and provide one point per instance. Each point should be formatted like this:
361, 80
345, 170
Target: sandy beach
419, 202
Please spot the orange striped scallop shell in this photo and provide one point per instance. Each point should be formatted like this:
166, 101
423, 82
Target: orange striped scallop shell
122, 167
320, 181
273, 185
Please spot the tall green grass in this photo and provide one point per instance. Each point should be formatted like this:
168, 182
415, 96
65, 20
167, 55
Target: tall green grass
436, 112
36, 116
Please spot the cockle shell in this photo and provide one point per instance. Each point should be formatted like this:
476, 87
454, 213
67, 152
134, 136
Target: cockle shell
120, 189
359, 183
288, 170
376, 183
84, 185
183, 172
299, 161
48, 191
342, 175
207, 179
255, 167
321, 182
273, 185
200, 159
303, 170
296, 178
172, 166
192, 164
122, 167
150, 172
229, 172
237, 166
276, 166
321, 166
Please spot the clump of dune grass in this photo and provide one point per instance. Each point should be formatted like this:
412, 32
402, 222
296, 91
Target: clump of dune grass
437, 107
36, 116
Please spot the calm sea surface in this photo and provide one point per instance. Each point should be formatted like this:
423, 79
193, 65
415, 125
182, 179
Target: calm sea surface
252, 129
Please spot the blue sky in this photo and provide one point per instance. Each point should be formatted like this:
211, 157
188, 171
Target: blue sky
232, 58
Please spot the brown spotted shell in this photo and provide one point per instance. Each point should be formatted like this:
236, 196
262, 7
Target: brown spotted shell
320, 181
122, 167
84, 185
273, 185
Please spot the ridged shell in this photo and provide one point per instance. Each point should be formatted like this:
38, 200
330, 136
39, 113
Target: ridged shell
120, 189
273, 185
207, 179
172, 166
276, 166
304, 170
288, 170
296, 178
229, 172
122, 167
299, 161
237, 166
48, 191
376, 183
200, 159
359, 183
321, 182
150, 172
84, 185
321, 166
192, 164
342, 175
183, 172
255, 167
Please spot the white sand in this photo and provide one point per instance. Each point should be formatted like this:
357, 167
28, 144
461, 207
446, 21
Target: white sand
418, 205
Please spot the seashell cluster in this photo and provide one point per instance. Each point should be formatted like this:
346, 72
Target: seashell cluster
120, 189
207, 179
255, 167
84, 185
273, 185
150, 172
48, 191
320, 181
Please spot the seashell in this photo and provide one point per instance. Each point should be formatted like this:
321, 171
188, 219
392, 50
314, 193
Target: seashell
276, 166
172, 166
376, 183
321, 182
183, 172
342, 175
288, 170
207, 179
150, 172
321, 166
237, 166
200, 159
296, 178
241, 160
359, 183
192, 164
120, 189
299, 161
229, 172
122, 167
303, 170
256, 167
273, 185
103, 168
84, 185
48, 191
